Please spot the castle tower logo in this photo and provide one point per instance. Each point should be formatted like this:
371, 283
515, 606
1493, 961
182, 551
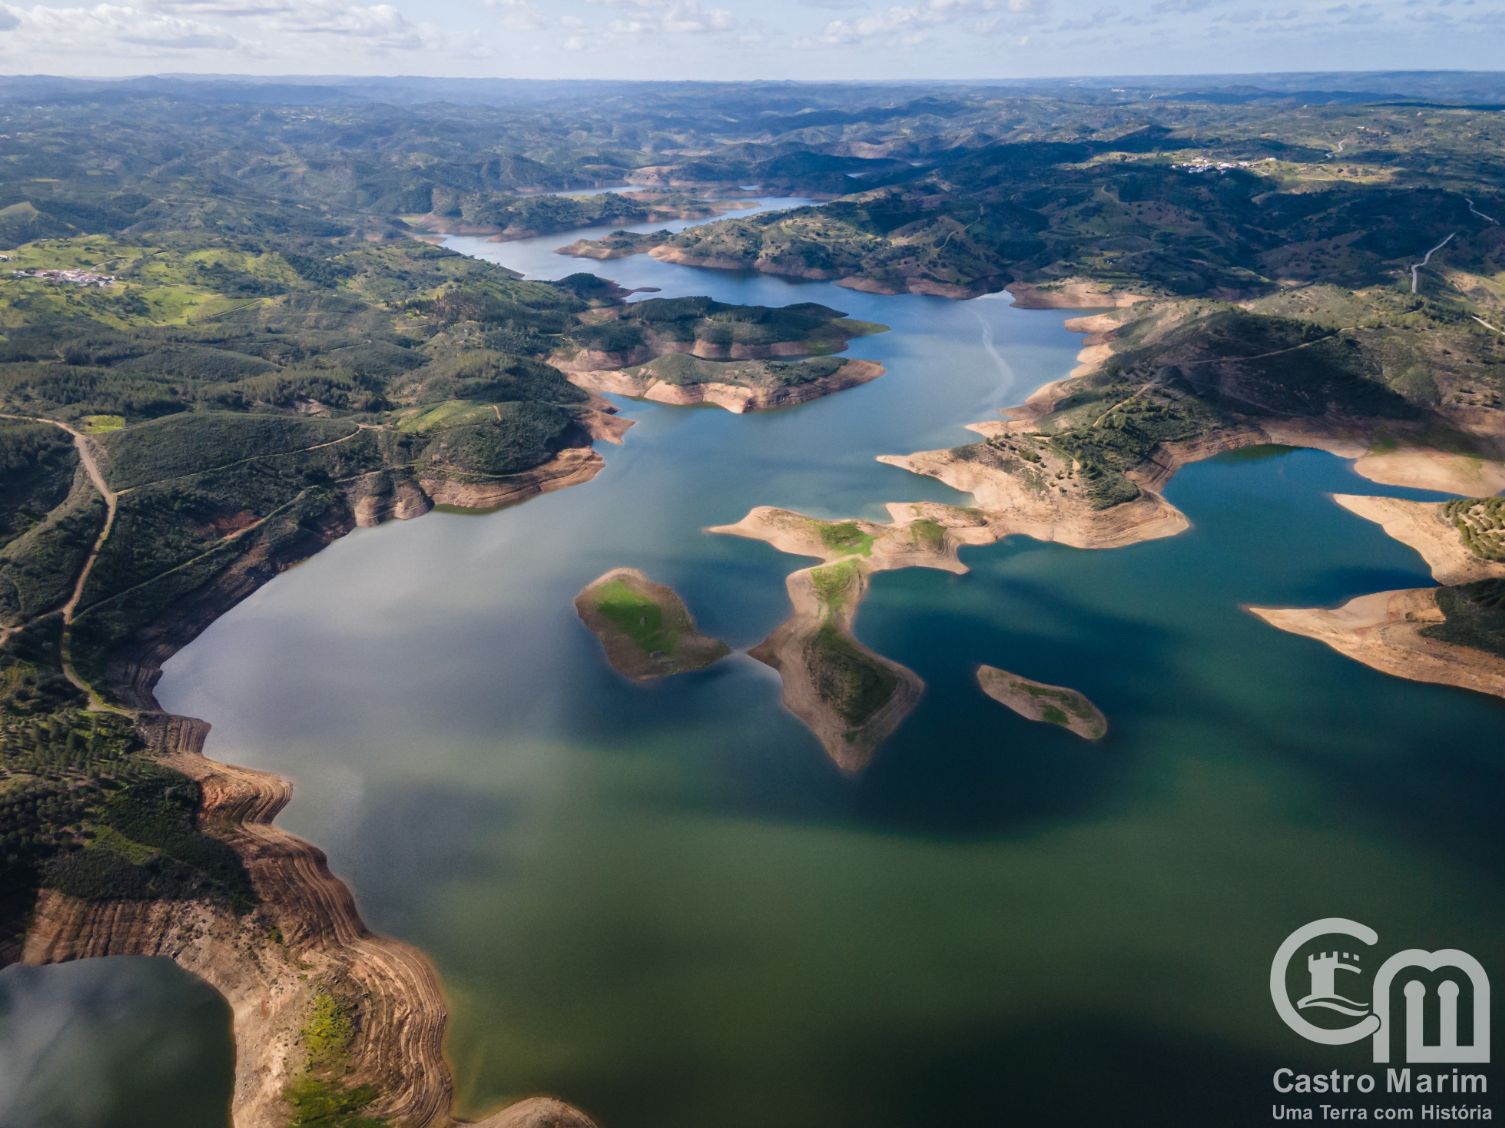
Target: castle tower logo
1336, 986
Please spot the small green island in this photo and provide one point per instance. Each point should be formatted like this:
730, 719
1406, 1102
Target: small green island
1050, 704
645, 628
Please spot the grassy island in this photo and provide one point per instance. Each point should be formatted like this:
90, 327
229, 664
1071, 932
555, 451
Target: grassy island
646, 629
1049, 704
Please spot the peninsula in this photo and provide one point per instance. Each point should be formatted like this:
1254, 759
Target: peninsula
849, 697
1451, 635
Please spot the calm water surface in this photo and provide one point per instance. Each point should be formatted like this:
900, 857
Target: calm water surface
117, 1043
664, 904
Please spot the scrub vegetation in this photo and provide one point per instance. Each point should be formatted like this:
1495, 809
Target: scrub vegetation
645, 628
1480, 521
222, 301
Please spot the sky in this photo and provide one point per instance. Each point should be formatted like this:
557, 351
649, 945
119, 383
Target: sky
740, 39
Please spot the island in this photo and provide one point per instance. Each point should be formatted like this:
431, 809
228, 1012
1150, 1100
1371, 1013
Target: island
1049, 704
644, 627
851, 698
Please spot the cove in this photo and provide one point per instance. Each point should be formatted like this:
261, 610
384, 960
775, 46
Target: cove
666, 906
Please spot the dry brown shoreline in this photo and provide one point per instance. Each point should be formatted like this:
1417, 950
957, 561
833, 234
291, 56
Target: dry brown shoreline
691, 649
737, 398
1044, 703
788, 650
1384, 632
1023, 487
305, 934
1423, 526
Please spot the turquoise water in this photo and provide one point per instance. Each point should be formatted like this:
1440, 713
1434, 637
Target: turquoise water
666, 905
117, 1043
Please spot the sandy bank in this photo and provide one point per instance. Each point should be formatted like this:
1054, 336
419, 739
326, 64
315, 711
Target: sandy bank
645, 627
1048, 704
1097, 343
1424, 526
1383, 631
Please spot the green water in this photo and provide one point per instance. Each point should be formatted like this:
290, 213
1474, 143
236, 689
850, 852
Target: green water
664, 903
117, 1043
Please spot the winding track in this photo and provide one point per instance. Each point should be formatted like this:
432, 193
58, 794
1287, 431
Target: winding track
88, 458
1480, 214
1416, 266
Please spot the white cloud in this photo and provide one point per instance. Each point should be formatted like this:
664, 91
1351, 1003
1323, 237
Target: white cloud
213, 29
114, 27
666, 17
907, 25
518, 15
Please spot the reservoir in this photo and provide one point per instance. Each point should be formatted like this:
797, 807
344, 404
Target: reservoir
665, 905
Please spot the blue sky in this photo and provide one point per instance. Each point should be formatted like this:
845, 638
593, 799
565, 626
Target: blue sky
731, 39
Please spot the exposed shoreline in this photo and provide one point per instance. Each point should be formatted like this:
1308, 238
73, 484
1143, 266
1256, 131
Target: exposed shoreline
305, 934
1384, 632
1044, 703
399, 1040
737, 398
791, 650
687, 649
1022, 487
1422, 525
